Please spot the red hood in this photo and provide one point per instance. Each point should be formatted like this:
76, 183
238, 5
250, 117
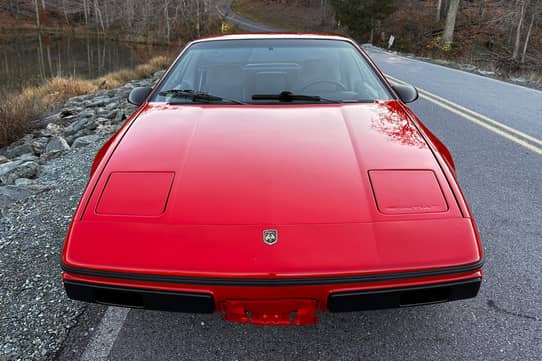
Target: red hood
190, 190
269, 165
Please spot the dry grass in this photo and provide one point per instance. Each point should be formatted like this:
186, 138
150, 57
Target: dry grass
18, 111
118, 78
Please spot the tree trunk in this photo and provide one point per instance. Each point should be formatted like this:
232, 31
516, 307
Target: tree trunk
85, 11
515, 54
36, 6
198, 20
65, 12
98, 16
528, 37
449, 28
323, 12
444, 6
439, 11
166, 15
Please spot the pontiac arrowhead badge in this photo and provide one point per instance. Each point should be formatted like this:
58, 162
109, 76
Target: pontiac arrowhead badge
270, 236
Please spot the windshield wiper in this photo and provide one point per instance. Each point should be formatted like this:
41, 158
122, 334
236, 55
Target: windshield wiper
196, 96
287, 96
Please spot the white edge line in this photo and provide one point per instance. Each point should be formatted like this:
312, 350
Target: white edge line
474, 113
485, 125
453, 69
100, 345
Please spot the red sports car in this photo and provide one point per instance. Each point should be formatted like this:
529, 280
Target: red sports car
269, 177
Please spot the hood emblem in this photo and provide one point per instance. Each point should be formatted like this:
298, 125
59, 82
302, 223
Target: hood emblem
270, 236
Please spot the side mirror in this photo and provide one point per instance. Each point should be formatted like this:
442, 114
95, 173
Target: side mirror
406, 92
139, 95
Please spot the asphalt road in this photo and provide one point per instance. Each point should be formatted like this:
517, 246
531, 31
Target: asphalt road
500, 170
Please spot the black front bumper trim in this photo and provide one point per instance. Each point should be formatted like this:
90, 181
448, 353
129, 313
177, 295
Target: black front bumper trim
140, 298
268, 282
403, 297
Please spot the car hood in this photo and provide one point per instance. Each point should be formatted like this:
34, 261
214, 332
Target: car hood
260, 165
191, 190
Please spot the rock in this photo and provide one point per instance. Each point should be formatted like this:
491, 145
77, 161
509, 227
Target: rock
66, 113
87, 113
45, 157
56, 143
91, 124
112, 114
15, 150
29, 169
22, 182
119, 117
9, 166
102, 112
74, 127
112, 105
10, 194
52, 118
50, 130
27, 156
38, 188
3, 159
107, 130
82, 133
84, 141
158, 74
102, 121
98, 102
39, 144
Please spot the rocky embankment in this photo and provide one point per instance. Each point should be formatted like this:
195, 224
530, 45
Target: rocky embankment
42, 176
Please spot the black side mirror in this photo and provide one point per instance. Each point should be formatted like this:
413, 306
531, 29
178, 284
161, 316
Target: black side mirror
139, 95
406, 92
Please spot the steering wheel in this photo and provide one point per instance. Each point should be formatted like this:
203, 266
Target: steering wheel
339, 85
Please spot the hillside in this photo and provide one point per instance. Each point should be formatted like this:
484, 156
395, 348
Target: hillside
171, 21
484, 36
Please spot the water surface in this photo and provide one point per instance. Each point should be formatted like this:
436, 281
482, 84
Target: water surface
29, 58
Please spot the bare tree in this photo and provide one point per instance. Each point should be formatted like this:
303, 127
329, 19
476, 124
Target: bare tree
534, 14
323, 11
482, 10
439, 8
515, 53
442, 10
98, 15
64, 11
168, 25
85, 11
37, 8
449, 28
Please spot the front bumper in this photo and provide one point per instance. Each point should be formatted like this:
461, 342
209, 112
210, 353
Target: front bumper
275, 305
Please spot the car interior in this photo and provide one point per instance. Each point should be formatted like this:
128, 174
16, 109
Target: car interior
240, 73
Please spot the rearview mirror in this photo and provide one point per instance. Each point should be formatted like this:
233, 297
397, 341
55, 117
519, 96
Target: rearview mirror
406, 92
139, 95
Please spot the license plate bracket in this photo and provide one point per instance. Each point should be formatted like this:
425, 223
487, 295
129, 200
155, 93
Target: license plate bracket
281, 312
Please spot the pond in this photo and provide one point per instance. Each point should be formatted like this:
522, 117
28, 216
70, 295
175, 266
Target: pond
29, 58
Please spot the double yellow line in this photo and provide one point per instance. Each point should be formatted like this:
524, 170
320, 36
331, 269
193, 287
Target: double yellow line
505, 131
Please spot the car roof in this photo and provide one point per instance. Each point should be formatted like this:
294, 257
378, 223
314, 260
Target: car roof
245, 36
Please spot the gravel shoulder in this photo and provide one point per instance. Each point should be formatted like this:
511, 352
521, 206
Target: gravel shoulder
35, 314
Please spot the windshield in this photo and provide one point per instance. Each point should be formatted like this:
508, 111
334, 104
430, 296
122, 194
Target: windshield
272, 71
